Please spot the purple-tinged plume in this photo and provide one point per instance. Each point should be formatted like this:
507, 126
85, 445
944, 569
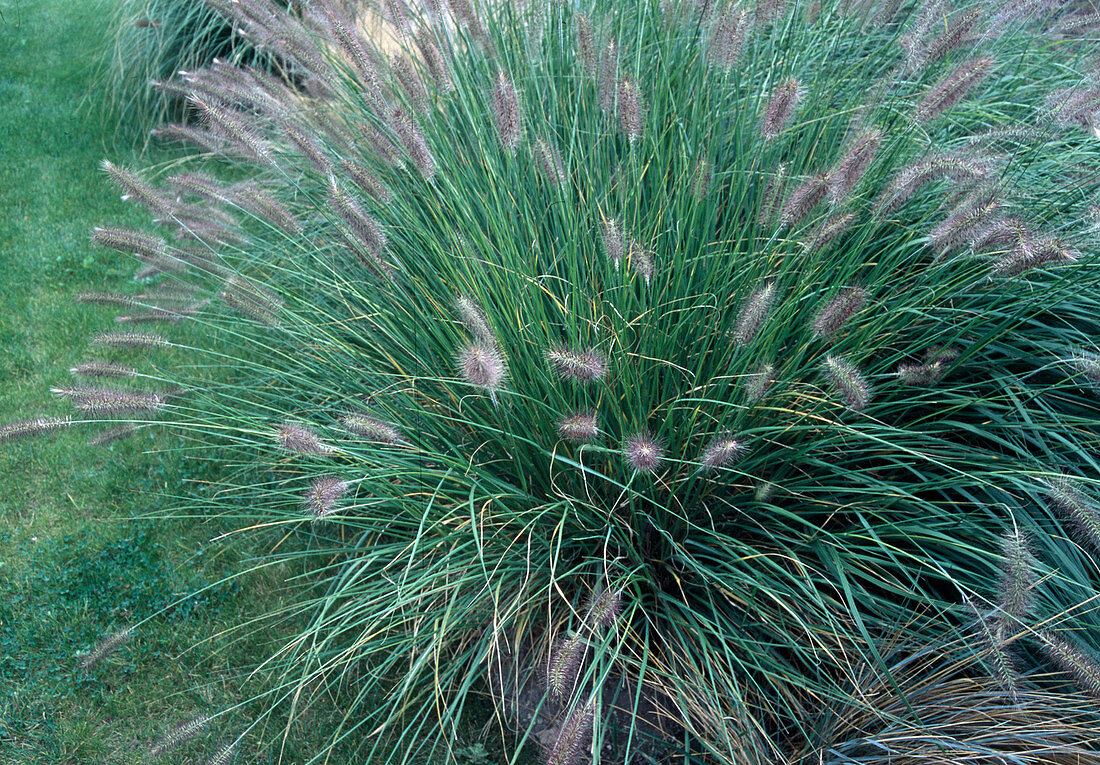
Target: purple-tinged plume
506, 114
630, 109
1077, 508
609, 77
1016, 578
853, 165
829, 231
848, 383
1082, 667
298, 439
604, 608
580, 427
754, 312
324, 494
586, 46
721, 452
641, 260
110, 435
371, 428
565, 664
31, 428
482, 365
780, 109
474, 319
412, 138
182, 733
643, 453
108, 401
611, 234
580, 366
549, 161
727, 37
105, 648
953, 88
808, 195
103, 369
130, 340
834, 314
758, 382
572, 741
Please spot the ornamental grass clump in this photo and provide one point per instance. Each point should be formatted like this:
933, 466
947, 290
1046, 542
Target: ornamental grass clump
699, 370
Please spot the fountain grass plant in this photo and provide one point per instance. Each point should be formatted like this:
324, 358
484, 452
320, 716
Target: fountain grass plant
692, 380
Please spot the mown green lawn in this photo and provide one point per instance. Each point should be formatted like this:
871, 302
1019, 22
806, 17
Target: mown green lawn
85, 549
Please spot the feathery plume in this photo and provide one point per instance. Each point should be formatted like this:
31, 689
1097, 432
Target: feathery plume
772, 196
643, 453
573, 736
611, 234
223, 755
412, 138
136, 190
482, 365
754, 312
1032, 253
1073, 107
853, 165
506, 114
371, 428
103, 369
31, 428
308, 148
252, 300
411, 84
549, 162
434, 60
964, 224
106, 298
609, 77
366, 181
913, 42
700, 179
1016, 578
641, 260
768, 11
234, 127
142, 245
1082, 667
631, 110
107, 401
727, 37
581, 366
604, 608
586, 45
363, 228
182, 733
1077, 508
323, 495
758, 382
565, 664
914, 176
920, 374
580, 427
474, 320
956, 33
721, 452
196, 136
264, 206
298, 439
1087, 365
130, 340
105, 648
809, 194
829, 231
780, 108
990, 632
110, 435
953, 88
999, 233
833, 315
848, 383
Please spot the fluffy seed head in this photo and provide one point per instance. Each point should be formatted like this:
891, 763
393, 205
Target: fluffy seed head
107, 401
641, 260
847, 383
249, 298
1077, 508
129, 241
586, 45
609, 77
833, 315
569, 748
990, 633
780, 108
324, 494
953, 88
506, 114
130, 340
110, 435
727, 37
583, 426
474, 319
224, 754
103, 369
1031, 253
298, 439
412, 138
853, 165
754, 312
1088, 366
370, 428
920, 374
758, 382
643, 453
482, 366
434, 60
409, 81
611, 234
631, 111
549, 162
1016, 579
1082, 667
31, 428
581, 366
565, 664
604, 608
808, 195
829, 230
105, 648
722, 451
183, 732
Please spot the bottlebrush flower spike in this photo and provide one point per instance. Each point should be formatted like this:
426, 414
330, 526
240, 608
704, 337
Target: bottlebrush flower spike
324, 494
366, 181
771, 196
853, 165
1069, 502
920, 374
130, 340
758, 382
1082, 667
584, 426
31, 428
1088, 366
754, 312
103, 369
110, 435
581, 366
611, 234
643, 453
848, 383
834, 314
298, 439
991, 634
964, 224
474, 319
105, 648
371, 428
482, 366
506, 114
412, 138
809, 194
780, 109
108, 401
953, 88
586, 45
549, 162
722, 452
1032, 253
829, 231
573, 735
565, 665
604, 608
727, 37
609, 77
630, 108
144, 246
641, 260
183, 732
434, 60
1016, 578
